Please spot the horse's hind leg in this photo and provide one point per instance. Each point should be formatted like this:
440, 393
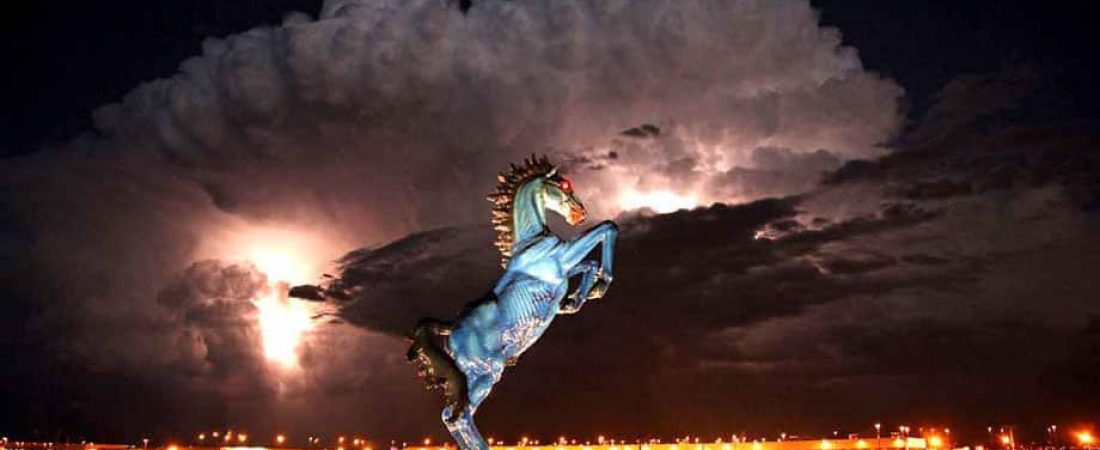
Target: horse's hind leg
461, 424
462, 428
435, 366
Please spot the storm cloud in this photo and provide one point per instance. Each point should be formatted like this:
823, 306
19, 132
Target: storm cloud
127, 249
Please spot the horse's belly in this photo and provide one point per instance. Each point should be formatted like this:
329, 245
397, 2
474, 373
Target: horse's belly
521, 335
527, 310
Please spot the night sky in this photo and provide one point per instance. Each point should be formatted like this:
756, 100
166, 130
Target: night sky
890, 212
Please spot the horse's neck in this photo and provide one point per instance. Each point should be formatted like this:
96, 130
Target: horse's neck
528, 214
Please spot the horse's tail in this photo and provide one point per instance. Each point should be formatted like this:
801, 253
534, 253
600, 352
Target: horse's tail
435, 366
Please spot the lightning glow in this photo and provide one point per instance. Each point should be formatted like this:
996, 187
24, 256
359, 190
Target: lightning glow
283, 322
286, 256
661, 201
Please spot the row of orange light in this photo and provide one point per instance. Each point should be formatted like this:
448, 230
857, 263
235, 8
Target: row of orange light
826, 444
1083, 437
229, 436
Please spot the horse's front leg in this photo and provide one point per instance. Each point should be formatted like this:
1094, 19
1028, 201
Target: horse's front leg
588, 270
576, 250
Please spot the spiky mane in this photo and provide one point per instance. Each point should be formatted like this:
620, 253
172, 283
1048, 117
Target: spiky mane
504, 197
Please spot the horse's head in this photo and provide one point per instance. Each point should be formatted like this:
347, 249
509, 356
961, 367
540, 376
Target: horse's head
522, 194
558, 196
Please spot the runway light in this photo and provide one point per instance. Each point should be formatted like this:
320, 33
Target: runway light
173, 447
280, 439
861, 444
1005, 439
899, 443
935, 441
826, 445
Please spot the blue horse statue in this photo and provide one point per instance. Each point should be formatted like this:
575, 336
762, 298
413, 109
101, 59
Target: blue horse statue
466, 357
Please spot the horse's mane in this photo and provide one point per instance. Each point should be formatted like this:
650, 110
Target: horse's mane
504, 197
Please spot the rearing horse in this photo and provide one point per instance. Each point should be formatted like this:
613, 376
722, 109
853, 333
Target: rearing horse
493, 331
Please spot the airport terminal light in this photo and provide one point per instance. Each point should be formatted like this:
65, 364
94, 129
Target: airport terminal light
1085, 438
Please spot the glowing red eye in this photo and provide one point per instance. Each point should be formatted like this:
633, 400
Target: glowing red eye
566, 185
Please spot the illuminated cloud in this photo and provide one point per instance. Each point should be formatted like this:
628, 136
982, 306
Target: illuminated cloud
415, 102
